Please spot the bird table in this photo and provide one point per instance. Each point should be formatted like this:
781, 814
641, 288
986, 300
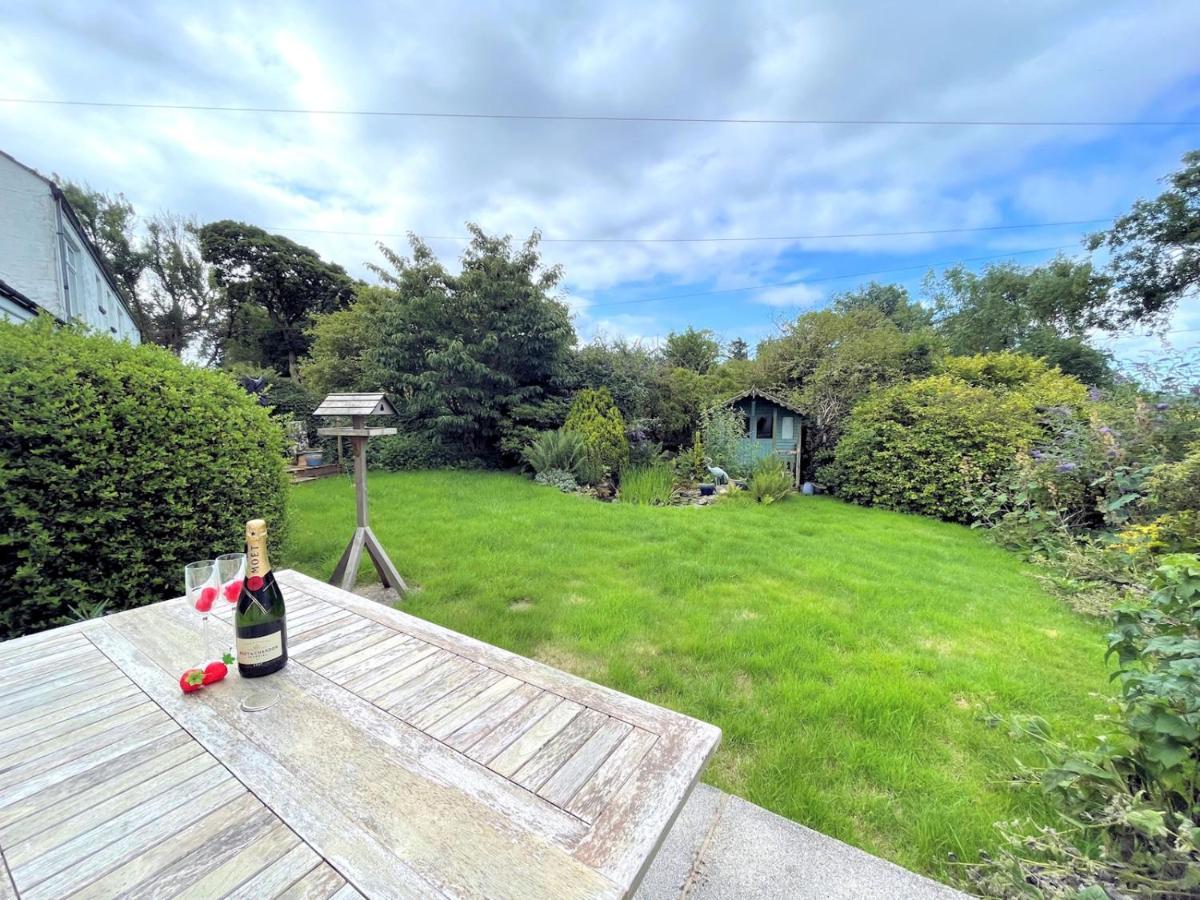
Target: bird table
401, 760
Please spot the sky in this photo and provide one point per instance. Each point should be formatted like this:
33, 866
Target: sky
340, 183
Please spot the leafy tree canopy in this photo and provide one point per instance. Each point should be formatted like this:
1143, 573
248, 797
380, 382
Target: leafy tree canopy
289, 281
890, 299
692, 349
1155, 250
476, 361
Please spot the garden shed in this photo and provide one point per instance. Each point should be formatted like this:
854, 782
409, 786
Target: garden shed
772, 426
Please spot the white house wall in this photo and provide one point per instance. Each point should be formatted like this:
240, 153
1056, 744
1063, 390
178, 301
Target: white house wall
27, 237
36, 241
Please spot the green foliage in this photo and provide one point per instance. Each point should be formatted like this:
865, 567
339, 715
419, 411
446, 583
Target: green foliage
560, 449
118, 465
724, 430
771, 480
596, 418
1002, 306
680, 396
827, 361
690, 464
891, 300
651, 485
558, 478
110, 221
339, 357
478, 359
738, 350
289, 282
1135, 794
413, 450
627, 368
1175, 486
923, 445
1154, 250
692, 349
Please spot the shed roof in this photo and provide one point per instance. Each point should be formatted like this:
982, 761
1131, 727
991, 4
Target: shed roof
355, 405
756, 393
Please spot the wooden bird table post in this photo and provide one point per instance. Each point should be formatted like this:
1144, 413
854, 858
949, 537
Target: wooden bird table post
358, 407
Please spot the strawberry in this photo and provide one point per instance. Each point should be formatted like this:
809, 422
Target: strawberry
191, 680
215, 671
205, 601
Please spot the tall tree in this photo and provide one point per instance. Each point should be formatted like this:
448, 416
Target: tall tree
477, 360
692, 349
1045, 310
826, 361
738, 349
111, 223
288, 281
178, 299
1155, 249
890, 299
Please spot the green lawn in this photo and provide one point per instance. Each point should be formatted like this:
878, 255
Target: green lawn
850, 655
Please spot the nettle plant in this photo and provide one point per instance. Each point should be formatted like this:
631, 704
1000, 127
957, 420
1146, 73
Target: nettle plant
1130, 806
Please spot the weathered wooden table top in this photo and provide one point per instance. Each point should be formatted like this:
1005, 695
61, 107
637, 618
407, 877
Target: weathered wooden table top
401, 760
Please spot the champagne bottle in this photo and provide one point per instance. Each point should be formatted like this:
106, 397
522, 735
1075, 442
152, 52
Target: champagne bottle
260, 620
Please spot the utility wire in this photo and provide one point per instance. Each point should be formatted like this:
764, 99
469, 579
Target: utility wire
546, 117
795, 281
708, 240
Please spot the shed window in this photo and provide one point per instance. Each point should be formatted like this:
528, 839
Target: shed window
785, 429
763, 427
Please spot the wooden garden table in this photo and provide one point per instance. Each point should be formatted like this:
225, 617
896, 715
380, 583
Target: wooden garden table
401, 760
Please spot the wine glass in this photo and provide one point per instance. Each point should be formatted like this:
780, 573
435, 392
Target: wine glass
200, 580
231, 572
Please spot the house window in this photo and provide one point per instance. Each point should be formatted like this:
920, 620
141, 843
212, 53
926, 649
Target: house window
74, 298
763, 428
785, 429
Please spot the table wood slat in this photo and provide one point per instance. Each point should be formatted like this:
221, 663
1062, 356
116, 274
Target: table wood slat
319, 884
45, 731
101, 814
497, 740
523, 748
562, 785
244, 863
549, 758
377, 657
170, 865
474, 708
400, 760
595, 794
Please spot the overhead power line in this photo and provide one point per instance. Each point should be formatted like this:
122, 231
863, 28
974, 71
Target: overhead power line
706, 240
797, 281
555, 117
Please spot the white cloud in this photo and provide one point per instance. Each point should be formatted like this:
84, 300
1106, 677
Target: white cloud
799, 295
1021, 60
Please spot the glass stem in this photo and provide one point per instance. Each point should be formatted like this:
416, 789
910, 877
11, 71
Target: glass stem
207, 646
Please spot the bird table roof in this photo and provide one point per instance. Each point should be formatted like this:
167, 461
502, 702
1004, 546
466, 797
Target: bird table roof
355, 405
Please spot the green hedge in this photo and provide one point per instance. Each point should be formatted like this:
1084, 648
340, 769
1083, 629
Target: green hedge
925, 446
118, 465
412, 450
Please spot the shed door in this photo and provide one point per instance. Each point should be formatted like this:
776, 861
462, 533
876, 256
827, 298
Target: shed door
764, 431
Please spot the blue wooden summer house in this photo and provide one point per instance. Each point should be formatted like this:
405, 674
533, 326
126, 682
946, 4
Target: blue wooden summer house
772, 426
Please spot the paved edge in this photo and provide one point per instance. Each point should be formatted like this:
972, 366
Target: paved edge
723, 847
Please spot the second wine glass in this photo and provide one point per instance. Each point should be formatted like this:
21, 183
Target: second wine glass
231, 572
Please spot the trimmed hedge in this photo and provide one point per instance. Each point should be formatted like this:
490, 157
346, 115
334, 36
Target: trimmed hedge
923, 446
410, 450
118, 465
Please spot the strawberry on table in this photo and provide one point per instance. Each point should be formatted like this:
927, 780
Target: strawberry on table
217, 670
191, 680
